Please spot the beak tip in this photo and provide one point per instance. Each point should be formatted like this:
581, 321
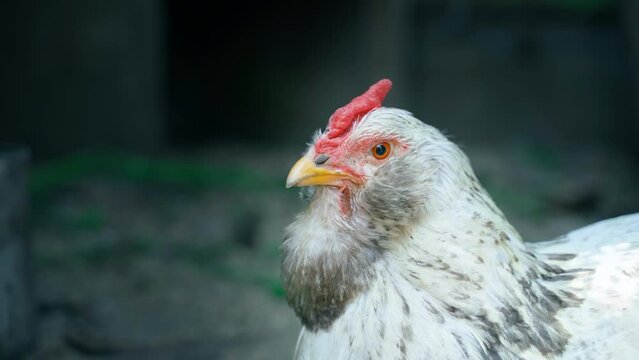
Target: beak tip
291, 182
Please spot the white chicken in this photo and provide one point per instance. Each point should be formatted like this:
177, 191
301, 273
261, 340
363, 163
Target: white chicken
402, 254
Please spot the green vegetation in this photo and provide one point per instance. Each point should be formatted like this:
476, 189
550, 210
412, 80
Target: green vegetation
80, 224
95, 254
57, 173
513, 200
215, 260
272, 284
541, 155
90, 219
202, 255
517, 201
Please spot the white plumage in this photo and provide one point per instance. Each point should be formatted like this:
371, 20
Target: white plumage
605, 325
409, 258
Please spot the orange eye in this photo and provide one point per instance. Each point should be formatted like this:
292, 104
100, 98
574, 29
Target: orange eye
381, 150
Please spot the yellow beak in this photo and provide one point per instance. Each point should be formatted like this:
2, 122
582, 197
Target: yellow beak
306, 173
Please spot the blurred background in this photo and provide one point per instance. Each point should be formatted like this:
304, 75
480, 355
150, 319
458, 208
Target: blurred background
148, 222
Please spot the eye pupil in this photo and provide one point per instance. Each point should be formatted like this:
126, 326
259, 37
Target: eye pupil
381, 150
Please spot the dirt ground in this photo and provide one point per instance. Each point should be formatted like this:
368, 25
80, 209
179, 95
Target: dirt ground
128, 268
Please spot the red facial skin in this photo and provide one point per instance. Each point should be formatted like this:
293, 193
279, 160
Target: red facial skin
359, 152
340, 127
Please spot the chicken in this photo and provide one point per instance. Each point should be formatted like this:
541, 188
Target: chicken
401, 254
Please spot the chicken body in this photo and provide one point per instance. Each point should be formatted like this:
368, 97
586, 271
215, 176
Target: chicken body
407, 257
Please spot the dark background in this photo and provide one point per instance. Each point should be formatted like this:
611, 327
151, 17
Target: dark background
147, 75
161, 133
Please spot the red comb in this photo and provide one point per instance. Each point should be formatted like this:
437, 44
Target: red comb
343, 118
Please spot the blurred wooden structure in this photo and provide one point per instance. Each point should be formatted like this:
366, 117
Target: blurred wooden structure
16, 299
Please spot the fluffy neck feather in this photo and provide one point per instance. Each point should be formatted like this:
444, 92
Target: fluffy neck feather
326, 262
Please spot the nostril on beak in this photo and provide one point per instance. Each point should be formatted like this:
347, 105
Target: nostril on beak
322, 158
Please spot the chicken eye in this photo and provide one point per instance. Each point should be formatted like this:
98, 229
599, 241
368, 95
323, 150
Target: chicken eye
381, 150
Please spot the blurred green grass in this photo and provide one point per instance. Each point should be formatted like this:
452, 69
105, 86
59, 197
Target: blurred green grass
52, 175
89, 219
